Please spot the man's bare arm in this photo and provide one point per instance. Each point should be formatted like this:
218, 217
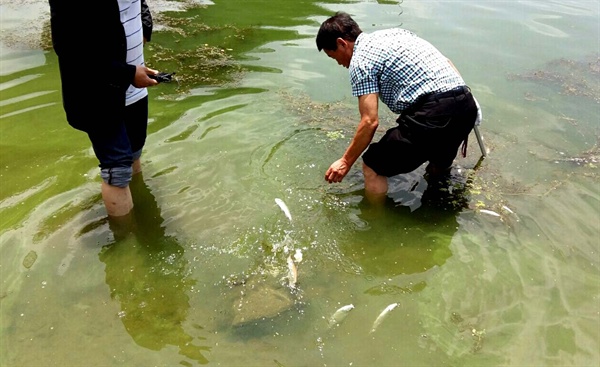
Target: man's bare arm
369, 121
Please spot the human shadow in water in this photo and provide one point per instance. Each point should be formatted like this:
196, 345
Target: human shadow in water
148, 274
412, 231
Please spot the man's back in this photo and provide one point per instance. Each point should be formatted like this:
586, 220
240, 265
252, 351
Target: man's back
400, 66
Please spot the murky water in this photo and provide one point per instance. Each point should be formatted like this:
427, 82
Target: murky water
201, 277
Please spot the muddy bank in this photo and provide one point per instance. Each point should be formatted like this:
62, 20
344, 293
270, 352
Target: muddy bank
25, 23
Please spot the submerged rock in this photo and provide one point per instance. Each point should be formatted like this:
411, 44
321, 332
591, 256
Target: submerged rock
261, 301
30, 259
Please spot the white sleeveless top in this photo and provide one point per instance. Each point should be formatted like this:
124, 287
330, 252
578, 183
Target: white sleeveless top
131, 18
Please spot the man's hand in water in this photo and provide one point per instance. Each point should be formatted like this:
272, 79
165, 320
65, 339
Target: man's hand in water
337, 171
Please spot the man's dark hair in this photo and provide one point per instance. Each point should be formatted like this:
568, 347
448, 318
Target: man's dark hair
341, 25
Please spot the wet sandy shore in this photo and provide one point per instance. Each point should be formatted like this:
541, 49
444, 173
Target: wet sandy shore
22, 22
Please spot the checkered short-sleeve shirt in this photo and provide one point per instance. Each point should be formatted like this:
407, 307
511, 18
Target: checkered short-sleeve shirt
399, 66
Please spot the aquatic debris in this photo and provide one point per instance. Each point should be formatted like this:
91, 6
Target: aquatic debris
284, 207
478, 336
293, 272
339, 315
573, 77
390, 289
335, 135
590, 157
489, 212
465, 328
383, 315
581, 160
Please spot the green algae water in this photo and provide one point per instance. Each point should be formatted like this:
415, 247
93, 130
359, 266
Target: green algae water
500, 268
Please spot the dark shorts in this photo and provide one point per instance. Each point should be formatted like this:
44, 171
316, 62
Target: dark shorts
118, 144
432, 129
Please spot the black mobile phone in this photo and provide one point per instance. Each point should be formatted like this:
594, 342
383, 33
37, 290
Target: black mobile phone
162, 77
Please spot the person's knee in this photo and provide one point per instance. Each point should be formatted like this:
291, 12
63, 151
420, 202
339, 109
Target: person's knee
368, 172
117, 176
375, 185
373, 180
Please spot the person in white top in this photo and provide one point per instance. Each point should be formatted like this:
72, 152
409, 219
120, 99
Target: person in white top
104, 80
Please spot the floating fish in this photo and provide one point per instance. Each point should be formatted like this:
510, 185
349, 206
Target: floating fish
284, 207
489, 212
382, 316
293, 272
339, 315
507, 209
298, 255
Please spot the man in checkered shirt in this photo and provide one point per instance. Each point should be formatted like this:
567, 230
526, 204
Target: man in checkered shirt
410, 76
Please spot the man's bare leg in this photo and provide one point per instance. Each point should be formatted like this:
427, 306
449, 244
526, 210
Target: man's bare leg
137, 166
119, 205
117, 200
376, 186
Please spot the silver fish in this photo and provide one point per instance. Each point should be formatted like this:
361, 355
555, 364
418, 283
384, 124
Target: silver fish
489, 212
382, 316
284, 207
293, 272
339, 315
507, 209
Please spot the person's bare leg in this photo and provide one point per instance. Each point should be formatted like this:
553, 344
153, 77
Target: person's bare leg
137, 166
119, 205
117, 200
376, 186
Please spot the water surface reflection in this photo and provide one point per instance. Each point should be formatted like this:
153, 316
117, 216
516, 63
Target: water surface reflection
526, 282
148, 274
412, 232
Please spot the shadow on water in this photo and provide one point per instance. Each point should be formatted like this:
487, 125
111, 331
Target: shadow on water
148, 274
411, 233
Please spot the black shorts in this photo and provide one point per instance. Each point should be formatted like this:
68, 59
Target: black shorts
432, 129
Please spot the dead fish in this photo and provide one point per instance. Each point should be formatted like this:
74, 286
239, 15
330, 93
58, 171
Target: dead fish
507, 209
489, 212
382, 316
284, 207
298, 255
293, 272
339, 315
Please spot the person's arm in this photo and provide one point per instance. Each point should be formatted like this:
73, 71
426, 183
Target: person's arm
369, 121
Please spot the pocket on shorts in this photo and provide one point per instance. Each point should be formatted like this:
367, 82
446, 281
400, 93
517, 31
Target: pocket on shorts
425, 123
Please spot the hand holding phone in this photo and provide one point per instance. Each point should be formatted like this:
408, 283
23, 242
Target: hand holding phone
162, 77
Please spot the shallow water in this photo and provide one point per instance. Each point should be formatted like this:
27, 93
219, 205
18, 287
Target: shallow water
259, 114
